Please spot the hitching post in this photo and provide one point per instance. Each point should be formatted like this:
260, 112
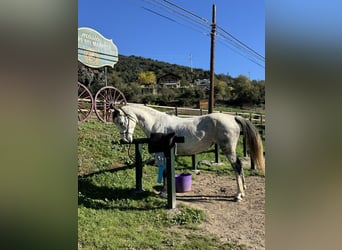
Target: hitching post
139, 167
171, 183
194, 161
170, 159
170, 170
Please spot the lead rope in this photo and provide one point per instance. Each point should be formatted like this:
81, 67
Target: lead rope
129, 117
132, 159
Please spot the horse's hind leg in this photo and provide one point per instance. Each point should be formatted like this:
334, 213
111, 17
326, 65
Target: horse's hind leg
243, 177
240, 177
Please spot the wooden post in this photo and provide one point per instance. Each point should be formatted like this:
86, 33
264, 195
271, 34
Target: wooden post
212, 73
139, 167
170, 159
252, 164
104, 110
212, 59
194, 161
171, 183
217, 154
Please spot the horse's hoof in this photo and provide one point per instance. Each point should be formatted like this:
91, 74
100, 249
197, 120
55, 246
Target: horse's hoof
236, 199
239, 197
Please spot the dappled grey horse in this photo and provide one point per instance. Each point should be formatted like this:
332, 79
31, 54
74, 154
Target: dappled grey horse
200, 132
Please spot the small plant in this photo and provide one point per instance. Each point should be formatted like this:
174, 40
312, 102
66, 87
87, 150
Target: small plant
186, 216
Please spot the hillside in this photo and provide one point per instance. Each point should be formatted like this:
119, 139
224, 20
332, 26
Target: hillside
128, 68
237, 91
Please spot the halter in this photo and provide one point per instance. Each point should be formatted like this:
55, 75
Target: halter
129, 118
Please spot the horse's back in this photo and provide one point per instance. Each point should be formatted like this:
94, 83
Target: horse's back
203, 131
225, 122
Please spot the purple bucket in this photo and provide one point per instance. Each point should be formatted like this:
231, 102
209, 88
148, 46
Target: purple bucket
183, 183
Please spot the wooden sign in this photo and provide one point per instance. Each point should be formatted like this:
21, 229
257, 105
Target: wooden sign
94, 50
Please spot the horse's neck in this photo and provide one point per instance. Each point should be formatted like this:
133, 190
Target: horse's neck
146, 117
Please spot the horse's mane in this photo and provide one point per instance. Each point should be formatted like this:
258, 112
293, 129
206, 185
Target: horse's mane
149, 110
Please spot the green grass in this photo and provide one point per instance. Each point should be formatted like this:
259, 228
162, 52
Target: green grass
112, 216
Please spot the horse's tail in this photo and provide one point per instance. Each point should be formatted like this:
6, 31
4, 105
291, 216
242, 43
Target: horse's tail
254, 141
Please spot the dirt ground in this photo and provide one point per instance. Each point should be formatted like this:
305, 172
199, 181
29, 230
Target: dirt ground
238, 222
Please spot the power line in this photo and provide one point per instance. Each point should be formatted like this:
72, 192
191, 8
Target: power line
202, 25
238, 51
240, 43
237, 48
172, 10
175, 21
195, 24
243, 53
187, 11
156, 13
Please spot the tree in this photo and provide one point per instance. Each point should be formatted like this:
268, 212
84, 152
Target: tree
259, 87
242, 92
167, 95
114, 79
147, 78
220, 89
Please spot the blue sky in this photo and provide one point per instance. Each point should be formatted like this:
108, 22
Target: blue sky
137, 28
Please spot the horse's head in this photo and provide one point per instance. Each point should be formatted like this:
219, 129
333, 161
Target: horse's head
126, 124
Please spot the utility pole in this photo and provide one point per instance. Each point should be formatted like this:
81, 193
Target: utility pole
212, 57
212, 74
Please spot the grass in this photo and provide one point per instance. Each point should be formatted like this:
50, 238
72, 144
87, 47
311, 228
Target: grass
112, 216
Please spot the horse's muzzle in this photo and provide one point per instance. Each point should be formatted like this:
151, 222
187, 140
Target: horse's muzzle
127, 138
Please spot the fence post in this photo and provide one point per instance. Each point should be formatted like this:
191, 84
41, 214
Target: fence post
252, 164
260, 118
176, 111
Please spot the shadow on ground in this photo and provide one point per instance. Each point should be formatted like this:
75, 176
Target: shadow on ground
93, 196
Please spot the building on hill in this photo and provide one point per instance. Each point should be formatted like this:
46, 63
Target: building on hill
169, 80
204, 84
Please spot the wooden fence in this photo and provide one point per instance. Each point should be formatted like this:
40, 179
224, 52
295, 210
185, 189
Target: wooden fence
258, 119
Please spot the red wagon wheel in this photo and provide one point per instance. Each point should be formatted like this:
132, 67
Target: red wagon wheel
105, 100
85, 103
